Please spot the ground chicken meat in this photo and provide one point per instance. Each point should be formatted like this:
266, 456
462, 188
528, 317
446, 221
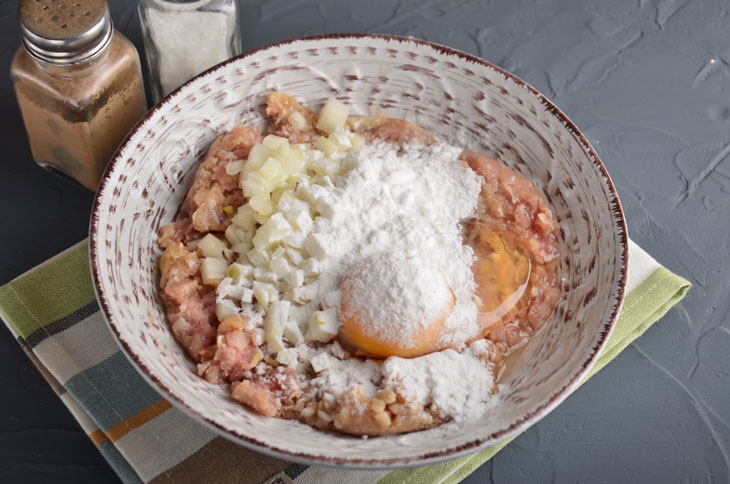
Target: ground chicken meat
512, 208
393, 130
513, 201
213, 188
279, 108
236, 352
270, 393
231, 351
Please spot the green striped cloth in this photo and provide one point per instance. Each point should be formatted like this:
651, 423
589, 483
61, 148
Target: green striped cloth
53, 314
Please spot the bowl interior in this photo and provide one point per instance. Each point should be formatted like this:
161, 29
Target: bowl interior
457, 97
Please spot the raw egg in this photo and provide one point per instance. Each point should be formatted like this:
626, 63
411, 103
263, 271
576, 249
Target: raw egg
501, 273
394, 305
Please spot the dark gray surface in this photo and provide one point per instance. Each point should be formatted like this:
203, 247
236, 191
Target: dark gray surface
647, 82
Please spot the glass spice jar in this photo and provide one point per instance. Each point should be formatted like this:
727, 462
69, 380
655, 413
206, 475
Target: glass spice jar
182, 38
78, 84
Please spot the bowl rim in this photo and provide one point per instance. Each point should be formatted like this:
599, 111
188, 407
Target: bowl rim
425, 458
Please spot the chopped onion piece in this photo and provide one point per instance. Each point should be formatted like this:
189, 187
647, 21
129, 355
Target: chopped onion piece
332, 116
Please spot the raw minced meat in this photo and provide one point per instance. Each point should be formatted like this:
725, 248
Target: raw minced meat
213, 188
514, 237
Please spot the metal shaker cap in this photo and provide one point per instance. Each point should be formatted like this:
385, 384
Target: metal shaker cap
65, 31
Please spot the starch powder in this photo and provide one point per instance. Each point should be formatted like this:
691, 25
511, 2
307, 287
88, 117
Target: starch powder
393, 223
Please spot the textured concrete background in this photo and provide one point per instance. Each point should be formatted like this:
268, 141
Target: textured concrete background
647, 82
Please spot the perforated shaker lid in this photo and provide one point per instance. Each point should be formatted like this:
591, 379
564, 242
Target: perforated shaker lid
64, 31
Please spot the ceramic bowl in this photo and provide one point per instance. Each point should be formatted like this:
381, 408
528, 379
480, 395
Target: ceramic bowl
458, 97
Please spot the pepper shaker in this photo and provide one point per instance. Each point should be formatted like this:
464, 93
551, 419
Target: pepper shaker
182, 38
78, 84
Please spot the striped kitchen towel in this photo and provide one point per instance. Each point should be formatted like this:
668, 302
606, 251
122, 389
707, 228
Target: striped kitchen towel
53, 313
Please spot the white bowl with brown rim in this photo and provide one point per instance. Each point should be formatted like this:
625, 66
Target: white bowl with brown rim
458, 97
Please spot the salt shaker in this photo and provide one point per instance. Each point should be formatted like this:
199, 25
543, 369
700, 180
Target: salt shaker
78, 84
182, 38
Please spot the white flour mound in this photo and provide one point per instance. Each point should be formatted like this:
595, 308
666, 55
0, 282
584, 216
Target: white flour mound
394, 224
407, 206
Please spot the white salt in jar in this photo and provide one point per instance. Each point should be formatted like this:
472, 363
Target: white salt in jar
182, 38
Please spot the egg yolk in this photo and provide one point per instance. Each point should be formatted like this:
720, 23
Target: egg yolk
394, 304
355, 334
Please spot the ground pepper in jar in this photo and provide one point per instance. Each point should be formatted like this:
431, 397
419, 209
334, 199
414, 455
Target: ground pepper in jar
78, 83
